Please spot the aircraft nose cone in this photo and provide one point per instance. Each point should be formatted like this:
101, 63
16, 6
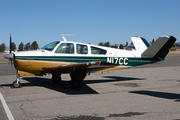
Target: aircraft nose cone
9, 56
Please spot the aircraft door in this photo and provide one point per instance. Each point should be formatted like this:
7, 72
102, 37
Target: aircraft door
65, 48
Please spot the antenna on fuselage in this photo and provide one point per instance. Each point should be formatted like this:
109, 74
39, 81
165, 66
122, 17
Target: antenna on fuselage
168, 34
65, 35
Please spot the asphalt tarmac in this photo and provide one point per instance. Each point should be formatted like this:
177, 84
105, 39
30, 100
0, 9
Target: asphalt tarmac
144, 92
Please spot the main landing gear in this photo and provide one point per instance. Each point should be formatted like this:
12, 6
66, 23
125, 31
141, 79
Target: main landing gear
16, 83
56, 78
76, 78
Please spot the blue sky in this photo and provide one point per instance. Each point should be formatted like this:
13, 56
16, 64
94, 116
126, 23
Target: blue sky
90, 21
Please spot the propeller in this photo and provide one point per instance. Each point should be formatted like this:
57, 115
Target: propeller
10, 45
10, 56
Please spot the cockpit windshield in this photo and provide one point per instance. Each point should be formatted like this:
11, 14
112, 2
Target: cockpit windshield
50, 46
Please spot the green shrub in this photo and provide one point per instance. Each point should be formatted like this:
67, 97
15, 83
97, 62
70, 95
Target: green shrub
172, 49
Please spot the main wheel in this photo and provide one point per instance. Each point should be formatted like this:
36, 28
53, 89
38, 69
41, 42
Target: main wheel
76, 78
16, 84
78, 75
74, 84
56, 78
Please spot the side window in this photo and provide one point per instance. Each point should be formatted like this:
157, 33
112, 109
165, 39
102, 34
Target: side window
95, 50
66, 48
81, 49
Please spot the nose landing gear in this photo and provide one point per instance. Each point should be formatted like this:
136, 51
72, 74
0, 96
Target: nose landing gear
16, 83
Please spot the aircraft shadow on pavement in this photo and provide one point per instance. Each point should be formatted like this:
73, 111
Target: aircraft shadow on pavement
165, 95
112, 79
64, 87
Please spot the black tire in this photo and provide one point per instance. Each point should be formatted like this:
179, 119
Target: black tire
76, 78
74, 84
56, 78
78, 75
16, 85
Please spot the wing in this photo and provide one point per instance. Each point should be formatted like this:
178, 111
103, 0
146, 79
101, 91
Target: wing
54, 68
111, 68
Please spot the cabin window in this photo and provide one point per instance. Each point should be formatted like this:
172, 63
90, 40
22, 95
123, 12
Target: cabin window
95, 50
81, 49
50, 46
65, 48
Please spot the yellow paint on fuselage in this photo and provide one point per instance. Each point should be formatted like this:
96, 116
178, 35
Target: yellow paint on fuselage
34, 68
30, 74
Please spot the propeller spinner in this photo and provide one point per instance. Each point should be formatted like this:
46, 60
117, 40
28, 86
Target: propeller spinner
10, 56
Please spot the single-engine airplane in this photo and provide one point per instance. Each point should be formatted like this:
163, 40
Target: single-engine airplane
79, 59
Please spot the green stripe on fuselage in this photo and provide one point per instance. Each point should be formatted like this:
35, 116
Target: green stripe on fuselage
124, 61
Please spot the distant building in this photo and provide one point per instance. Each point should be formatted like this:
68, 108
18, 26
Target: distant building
7, 51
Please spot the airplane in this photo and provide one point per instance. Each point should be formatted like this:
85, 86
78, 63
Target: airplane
80, 59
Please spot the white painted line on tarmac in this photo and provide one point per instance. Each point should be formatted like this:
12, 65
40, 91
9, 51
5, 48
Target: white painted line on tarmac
6, 108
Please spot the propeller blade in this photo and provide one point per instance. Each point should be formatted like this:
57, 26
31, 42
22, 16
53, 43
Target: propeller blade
10, 45
10, 56
10, 61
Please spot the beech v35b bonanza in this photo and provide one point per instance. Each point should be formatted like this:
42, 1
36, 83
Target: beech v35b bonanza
79, 59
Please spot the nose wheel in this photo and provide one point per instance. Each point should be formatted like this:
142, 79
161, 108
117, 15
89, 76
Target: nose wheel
16, 83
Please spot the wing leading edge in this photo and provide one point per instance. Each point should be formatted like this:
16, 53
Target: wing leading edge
54, 68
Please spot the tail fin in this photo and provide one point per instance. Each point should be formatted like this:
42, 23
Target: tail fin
140, 44
160, 47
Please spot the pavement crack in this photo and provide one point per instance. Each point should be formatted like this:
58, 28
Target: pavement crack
128, 114
21, 106
29, 101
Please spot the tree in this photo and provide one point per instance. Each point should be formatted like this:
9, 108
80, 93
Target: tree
174, 45
126, 44
34, 46
101, 44
21, 46
151, 42
13, 45
2, 47
132, 43
121, 46
115, 46
107, 44
177, 44
27, 46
